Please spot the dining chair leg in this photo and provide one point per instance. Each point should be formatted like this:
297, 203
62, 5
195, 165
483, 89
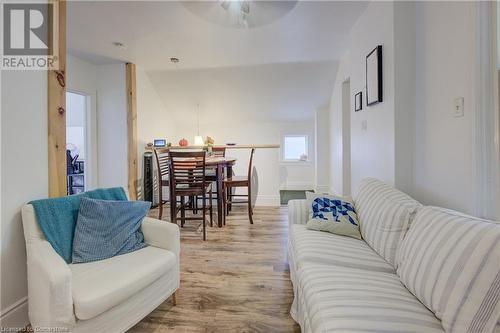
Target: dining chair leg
183, 212
228, 199
224, 203
173, 209
160, 213
204, 203
250, 212
210, 198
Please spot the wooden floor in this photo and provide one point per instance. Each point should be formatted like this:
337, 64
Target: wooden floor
236, 281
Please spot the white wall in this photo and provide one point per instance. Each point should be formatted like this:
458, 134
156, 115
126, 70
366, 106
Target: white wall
153, 121
273, 175
444, 144
112, 126
373, 149
322, 130
24, 177
337, 130
412, 140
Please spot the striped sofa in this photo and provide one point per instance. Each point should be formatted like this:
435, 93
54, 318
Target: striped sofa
417, 269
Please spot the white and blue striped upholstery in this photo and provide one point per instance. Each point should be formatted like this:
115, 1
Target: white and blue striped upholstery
298, 212
384, 215
339, 299
451, 263
310, 246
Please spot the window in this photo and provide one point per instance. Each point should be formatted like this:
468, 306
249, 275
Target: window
295, 148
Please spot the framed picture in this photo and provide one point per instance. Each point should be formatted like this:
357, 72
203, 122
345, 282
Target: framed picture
358, 101
374, 76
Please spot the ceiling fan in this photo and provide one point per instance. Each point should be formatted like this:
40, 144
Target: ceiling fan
244, 14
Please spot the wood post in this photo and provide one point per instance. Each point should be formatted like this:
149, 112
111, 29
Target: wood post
132, 129
57, 105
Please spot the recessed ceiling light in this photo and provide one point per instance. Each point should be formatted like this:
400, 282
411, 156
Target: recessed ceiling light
174, 60
119, 45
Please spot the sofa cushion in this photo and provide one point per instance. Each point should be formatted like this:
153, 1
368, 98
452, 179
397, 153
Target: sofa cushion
339, 299
384, 215
311, 246
100, 285
451, 263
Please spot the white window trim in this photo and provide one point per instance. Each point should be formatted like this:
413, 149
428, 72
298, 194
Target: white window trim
294, 162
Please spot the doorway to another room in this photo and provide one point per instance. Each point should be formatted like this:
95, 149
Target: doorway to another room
346, 137
76, 142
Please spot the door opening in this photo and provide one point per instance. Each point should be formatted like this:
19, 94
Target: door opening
346, 137
76, 142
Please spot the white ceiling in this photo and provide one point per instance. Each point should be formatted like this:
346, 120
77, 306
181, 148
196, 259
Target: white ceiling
153, 32
272, 92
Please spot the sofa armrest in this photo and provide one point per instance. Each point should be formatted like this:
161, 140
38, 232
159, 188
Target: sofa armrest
298, 212
49, 287
161, 234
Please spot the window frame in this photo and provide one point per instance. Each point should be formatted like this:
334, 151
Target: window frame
294, 161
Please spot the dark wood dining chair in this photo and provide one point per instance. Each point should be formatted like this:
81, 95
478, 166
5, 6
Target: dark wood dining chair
163, 175
219, 151
188, 179
211, 174
243, 181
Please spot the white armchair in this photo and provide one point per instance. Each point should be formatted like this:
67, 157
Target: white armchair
109, 295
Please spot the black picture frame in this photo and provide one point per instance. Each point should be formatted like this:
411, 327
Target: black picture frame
358, 101
374, 83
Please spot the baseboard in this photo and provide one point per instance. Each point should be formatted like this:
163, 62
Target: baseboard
15, 315
268, 200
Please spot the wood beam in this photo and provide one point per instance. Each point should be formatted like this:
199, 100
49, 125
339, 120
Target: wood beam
132, 129
57, 104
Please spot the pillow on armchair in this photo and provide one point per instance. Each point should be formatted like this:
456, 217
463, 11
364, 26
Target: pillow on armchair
106, 228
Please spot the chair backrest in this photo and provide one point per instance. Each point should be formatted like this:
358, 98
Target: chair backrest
219, 151
162, 164
250, 165
187, 168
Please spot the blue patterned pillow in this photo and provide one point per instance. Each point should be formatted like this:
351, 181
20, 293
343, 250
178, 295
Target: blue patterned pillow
105, 229
332, 214
322, 208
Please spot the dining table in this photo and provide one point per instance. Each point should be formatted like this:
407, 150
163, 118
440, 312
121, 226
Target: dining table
222, 165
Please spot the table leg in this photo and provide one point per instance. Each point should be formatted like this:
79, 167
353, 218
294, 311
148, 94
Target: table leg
220, 210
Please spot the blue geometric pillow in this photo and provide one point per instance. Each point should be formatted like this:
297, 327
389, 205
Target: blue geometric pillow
323, 207
332, 214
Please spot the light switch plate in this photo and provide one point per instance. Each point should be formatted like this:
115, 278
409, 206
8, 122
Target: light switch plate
458, 107
364, 125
